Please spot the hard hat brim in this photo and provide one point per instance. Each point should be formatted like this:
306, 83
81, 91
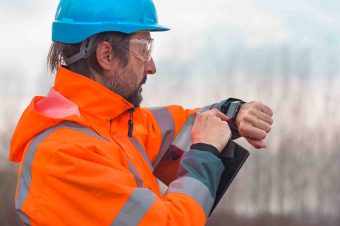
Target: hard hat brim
73, 32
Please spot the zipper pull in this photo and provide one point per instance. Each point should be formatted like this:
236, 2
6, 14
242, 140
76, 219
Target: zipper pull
130, 123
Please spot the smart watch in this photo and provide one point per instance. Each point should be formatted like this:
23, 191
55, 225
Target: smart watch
233, 109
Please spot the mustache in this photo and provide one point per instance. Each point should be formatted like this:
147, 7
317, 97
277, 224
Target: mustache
143, 80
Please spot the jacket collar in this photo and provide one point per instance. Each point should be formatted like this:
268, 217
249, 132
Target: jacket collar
91, 97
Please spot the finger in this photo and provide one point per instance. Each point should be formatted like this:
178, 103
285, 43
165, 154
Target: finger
221, 116
264, 108
257, 122
260, 124
252, 132
258, 144
264, 117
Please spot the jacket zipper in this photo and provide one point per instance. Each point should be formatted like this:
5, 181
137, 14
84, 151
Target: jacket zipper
130, 123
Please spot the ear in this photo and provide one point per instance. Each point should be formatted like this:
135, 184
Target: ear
105, 55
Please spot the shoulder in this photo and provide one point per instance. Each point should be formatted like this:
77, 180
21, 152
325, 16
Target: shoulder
77, 142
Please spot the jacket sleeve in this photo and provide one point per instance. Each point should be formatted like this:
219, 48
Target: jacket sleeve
175, 124
82, 187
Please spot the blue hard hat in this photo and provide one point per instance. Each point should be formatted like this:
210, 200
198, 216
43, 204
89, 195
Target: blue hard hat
77, 20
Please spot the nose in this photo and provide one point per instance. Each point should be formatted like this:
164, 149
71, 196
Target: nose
150, 67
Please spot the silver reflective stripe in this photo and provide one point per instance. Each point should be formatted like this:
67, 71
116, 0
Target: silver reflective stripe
77, 127
167, 127
24, 217
138, 179
206, 108
194, 188
183, 140
135, 208
141, 150
26, 174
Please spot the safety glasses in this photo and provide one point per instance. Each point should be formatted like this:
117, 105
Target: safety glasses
141, 49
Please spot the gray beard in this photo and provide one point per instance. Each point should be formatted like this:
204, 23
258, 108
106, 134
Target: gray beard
135, 98
117, 85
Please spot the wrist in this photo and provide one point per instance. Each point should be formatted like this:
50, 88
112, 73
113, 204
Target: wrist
231, 108
206, 147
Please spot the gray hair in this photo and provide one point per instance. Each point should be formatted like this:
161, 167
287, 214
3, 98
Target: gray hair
60, 52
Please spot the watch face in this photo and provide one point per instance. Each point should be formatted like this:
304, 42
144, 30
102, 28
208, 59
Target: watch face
233, 109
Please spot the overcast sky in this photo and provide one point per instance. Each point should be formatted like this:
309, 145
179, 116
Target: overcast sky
25, 27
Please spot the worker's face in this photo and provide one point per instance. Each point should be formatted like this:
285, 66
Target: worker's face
127, 81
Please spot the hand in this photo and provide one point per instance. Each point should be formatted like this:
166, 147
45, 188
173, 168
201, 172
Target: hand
254, 121
211, 127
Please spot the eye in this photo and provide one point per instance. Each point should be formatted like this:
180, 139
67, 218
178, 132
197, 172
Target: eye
144, 49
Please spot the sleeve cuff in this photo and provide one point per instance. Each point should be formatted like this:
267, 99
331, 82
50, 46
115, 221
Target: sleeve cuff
206, 147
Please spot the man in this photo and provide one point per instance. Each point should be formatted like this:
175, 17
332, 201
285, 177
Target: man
88, 150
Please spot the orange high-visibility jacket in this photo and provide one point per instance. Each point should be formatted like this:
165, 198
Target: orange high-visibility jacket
88, 157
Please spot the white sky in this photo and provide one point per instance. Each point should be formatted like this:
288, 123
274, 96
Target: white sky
25, 27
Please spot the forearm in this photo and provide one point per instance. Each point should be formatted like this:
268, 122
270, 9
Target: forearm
198, 177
